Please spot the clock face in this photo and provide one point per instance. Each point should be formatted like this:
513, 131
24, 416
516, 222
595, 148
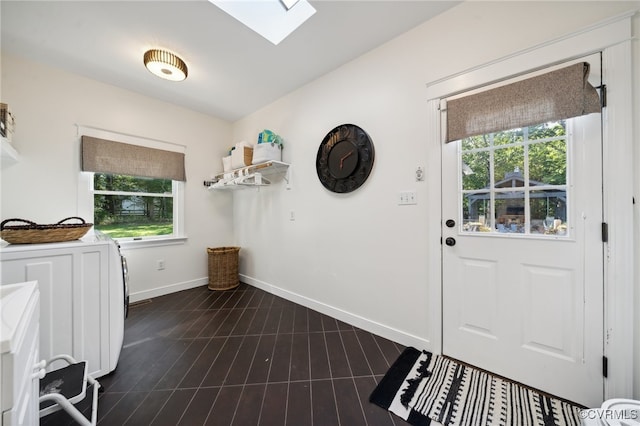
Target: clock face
345, 158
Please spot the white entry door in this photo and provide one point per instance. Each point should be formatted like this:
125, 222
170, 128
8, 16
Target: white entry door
523, 255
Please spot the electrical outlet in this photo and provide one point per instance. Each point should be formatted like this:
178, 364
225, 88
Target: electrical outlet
292, 215
160, 265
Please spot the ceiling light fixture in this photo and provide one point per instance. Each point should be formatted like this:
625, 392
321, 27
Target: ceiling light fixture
165, 65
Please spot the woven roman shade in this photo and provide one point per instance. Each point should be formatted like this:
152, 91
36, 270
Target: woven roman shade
556, 95
104, 156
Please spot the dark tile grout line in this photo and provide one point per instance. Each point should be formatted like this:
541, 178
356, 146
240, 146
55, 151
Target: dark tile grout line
236, 385
268, 374
229, 370
364, 415
253, 358
309, 366
333, 386
188, 404
273, 351
217, 355
290, 357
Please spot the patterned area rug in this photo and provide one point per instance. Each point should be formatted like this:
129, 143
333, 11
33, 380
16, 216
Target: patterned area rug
421, 387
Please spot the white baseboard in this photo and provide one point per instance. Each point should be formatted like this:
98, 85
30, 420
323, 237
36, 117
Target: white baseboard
371, 326
168, 289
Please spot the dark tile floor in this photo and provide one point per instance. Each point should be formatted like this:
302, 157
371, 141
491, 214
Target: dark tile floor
243, 357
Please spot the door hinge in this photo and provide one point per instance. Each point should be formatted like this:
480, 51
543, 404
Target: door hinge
603, 95
605, 366
605, 232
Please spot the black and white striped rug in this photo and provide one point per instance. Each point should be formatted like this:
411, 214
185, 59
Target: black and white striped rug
421, 387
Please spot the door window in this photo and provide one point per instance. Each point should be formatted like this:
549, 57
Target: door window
514, 182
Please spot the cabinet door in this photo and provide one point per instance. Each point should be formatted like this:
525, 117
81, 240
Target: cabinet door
54, 274
74, 296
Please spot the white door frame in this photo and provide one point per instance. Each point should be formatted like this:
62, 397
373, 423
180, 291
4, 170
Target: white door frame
613, 39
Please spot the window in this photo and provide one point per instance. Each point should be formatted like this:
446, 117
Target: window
133, 187
133, 207
515, 181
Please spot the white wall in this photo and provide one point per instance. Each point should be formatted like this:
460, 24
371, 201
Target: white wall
43, 185
360, 256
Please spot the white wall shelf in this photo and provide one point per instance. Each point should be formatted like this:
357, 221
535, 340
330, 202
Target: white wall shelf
256, 175
8, 153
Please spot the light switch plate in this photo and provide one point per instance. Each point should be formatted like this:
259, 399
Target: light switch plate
407, 198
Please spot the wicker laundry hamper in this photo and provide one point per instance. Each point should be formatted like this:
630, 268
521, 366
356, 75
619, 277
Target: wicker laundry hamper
223, 268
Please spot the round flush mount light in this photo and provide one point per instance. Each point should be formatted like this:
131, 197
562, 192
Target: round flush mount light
165, 65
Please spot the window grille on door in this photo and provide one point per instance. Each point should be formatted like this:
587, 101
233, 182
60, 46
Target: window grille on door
515, 181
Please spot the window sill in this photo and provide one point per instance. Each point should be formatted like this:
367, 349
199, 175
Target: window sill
131, 244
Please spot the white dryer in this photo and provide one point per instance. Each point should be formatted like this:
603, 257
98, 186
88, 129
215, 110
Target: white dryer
83, 290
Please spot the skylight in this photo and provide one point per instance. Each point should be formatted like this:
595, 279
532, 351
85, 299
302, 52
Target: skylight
272, 19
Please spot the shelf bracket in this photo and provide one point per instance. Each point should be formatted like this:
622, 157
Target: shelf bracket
287, 177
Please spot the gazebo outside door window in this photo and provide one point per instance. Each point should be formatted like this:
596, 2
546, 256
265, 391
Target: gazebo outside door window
515, 181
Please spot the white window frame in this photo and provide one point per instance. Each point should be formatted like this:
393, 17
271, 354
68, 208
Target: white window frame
86, 191
613, 38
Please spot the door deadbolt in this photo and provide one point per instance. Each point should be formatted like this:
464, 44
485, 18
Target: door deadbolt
450, 241
450, 223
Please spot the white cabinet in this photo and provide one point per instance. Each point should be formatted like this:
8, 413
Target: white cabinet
73, 279
19, 369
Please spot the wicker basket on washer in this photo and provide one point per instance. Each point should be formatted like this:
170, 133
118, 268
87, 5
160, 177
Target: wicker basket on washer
28, 232
223, 268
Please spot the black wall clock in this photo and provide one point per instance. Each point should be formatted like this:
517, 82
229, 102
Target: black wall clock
345, 158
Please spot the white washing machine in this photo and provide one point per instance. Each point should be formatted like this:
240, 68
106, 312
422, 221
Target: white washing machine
118, 296
84, 296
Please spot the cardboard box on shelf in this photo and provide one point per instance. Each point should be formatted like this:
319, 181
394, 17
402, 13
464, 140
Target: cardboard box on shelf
241, 156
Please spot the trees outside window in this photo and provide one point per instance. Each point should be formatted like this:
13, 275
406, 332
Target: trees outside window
131, 207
